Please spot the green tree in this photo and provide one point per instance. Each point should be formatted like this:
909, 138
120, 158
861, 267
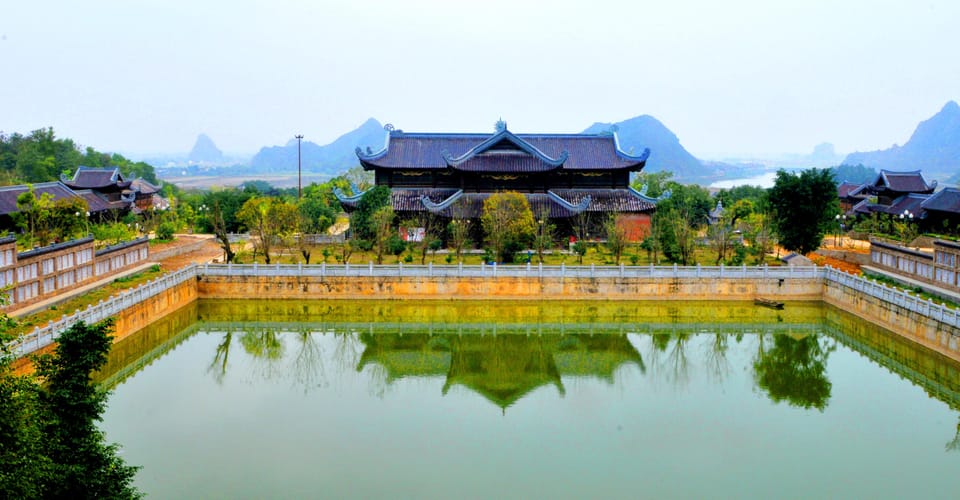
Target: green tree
507, 223
803, 208
270, 220
50, 446
381, 222
371, 201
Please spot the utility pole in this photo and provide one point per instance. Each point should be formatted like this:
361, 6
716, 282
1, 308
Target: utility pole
299, 177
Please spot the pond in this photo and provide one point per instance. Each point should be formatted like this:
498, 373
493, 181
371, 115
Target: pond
255, 399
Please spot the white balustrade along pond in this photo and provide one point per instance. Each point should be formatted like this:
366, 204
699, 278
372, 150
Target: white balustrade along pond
445, 399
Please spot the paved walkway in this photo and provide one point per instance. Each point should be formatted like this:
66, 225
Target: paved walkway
926, 287
52, 301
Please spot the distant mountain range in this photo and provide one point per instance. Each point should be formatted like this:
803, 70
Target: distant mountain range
331, 159
934, 148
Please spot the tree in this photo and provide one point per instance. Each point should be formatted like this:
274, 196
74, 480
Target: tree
803, 208
381, 222
50, 446
678, 221
507, 222
544, 238
370, 202
458, 230
270, 219
220, 231
616, 237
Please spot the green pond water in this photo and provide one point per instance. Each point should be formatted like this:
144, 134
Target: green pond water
282, 399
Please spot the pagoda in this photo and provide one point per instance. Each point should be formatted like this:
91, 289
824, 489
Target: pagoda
561, 175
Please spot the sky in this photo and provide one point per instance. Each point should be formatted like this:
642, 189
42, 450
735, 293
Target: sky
732, 78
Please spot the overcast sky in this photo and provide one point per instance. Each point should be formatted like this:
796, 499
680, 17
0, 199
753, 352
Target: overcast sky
733, 77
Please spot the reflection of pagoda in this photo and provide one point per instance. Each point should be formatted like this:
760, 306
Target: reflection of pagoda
503, 369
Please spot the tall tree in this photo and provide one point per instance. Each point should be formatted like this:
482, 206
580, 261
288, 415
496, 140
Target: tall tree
616, 237
381, 222
270, 220
507, 223
803, 208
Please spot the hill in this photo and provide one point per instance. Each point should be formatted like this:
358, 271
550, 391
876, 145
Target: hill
205, 151
666, 153
934, 148
331, 159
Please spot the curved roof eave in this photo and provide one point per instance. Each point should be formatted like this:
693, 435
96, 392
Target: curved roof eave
343, 198
627, 156
438, 207
371, 155
576, 209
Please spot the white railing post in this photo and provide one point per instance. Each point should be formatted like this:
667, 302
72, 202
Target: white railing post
540, 269
430, 269
591, 270
621, 270
399, 268
460, 268
698, 269
563, 269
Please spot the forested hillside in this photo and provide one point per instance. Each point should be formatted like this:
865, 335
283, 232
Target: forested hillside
41, 156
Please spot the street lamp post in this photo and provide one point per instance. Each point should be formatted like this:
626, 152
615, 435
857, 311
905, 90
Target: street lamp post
299, 182
841, 227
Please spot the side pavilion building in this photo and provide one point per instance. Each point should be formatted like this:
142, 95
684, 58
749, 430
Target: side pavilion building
563, 176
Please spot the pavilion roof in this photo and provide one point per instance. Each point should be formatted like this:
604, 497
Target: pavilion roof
93, 178
945, 200
9, 194
502, 151
848, 189
903, 182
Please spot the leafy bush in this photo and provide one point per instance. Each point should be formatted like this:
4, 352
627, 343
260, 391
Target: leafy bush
165, 231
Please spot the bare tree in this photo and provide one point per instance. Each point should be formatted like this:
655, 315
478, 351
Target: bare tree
220, 231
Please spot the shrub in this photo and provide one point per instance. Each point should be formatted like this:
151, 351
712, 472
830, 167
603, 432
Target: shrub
165, 231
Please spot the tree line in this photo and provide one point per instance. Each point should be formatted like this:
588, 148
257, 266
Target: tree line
41, 157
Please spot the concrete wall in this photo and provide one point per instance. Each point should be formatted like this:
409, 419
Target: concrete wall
151, 309
922, 329
531, 288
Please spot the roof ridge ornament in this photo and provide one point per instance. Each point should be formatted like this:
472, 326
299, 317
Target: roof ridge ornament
500, 125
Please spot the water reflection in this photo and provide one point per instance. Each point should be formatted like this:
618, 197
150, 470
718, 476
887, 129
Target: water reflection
794, 369
504, 352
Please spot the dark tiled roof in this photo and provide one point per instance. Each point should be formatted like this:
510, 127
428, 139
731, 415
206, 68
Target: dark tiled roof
513, 161
848, 189
435, 151
945, 200
9, 194
87, 178
903, 182
910, 203
561, 204
142, 186
97, 204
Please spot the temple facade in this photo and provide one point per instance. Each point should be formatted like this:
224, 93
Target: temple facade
562, 175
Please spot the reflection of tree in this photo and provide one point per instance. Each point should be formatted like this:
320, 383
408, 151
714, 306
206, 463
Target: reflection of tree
308, 362
716, 357
679, 367
218, 367
954, 444
264, 346
794, 370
